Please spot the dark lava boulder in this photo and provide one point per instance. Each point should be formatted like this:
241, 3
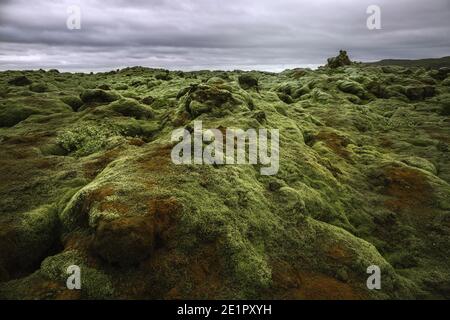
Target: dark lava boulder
285, 98
341, 60
20, 81
165, 76
125, 241
247, 81
148, 100
98, 96
419, 92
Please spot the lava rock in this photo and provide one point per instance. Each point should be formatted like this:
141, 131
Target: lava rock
20, 81
339, 61
247, 81
125, 241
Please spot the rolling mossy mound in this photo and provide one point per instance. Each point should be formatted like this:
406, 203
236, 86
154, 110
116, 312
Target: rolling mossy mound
86, 178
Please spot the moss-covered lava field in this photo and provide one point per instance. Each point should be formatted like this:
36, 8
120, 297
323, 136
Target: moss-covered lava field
86, 179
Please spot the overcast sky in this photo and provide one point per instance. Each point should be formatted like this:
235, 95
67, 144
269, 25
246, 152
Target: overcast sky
218, 34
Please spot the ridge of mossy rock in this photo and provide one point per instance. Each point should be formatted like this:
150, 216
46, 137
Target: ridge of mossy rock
248, 81
445, 105
104, 87
285, 98
352, 87
131, 108
441, 73
25, 243
203, 99
298, 93
121, 87
446, 82
98, 96
419, 92
20, 81
125, 241
12, 116
165, 76
340, 60
421, 163
39, 87
148, 100
14, 111
86, 138
74, 102
393, 91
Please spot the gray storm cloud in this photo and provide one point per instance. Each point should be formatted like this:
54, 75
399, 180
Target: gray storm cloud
204, 34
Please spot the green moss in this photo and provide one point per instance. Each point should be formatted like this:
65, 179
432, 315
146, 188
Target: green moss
19, 81
353, 88
39, 87
13, 111
207, 99
131, 108
86, 138
94, 283
333, 208
74, 102
25, 242
419, 93
98, 96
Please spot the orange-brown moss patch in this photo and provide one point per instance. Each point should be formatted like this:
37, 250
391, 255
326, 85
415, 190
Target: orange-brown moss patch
114, 206
158, 158
290, 283
136, 142
408, 187
438, 133
385, 142
164, 213
338, 253
93, 168
335, 142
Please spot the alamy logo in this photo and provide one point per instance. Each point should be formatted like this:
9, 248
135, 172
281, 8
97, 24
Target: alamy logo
374, 280
74, 280
236, 146
373, 22
73, 22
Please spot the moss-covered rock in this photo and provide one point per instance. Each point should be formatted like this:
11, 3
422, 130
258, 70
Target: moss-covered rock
39, 87
419, 93
131, 108
363, 179
352, 87
339, 61
13, 111
86, 138
248, 81
125, 241
20, 81
98, 96
25, 243
74, 102
204, 99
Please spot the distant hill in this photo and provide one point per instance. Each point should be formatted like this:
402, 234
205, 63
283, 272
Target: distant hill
426, 63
